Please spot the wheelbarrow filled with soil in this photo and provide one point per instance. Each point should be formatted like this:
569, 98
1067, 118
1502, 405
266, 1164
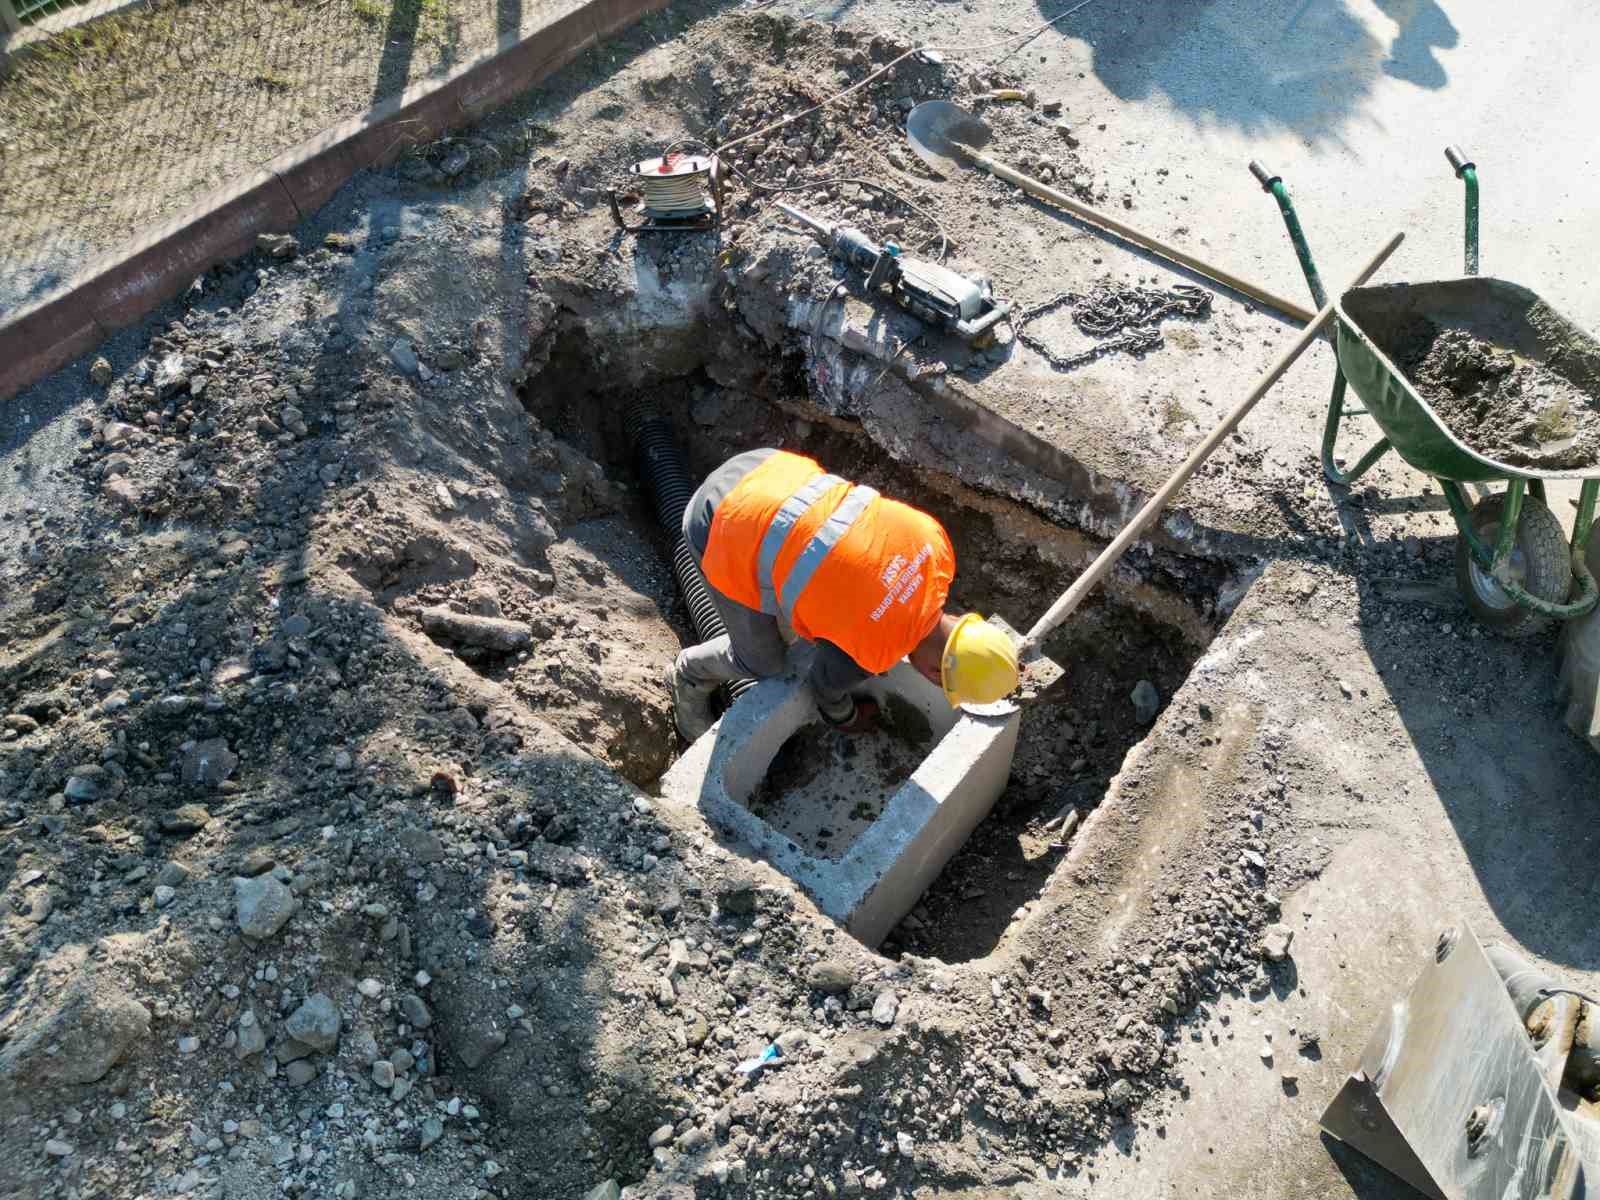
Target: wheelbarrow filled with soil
1479, 381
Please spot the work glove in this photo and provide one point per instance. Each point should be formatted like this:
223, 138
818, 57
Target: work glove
863, 717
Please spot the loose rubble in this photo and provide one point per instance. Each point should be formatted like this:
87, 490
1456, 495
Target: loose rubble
327, 703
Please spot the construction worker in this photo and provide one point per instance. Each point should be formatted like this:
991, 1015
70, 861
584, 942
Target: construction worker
862, 576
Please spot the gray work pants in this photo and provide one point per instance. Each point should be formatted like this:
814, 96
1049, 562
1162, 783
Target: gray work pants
753, 647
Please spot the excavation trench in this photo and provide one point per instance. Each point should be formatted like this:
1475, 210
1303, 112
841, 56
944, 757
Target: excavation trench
1148, 626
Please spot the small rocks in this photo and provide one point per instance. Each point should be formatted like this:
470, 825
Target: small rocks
188, 1045
299, 1073
383, 1074
661, 1137
885, 1008
163, 895
185, 820
609, 1190
56, 1148
1120, 1094
370, 988
263, 905
315, 1023
100, 373
1275, 942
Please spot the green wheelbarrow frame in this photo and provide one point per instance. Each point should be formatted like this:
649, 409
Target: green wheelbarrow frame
1409, 425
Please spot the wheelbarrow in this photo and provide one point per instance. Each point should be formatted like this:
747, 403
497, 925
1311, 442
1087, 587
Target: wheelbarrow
1516, 570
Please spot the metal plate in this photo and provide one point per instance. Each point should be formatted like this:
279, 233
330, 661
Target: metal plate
1449, 1095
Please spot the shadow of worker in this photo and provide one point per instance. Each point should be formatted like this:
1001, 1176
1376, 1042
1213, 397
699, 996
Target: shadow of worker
1423, 28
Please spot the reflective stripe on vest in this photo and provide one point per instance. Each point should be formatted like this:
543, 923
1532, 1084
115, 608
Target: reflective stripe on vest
821, 545
783, 521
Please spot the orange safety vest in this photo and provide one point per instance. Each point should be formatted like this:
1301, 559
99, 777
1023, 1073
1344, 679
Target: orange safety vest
837, 560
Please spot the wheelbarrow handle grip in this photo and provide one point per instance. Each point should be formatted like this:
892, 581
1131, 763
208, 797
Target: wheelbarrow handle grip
1263, 176
1458, 160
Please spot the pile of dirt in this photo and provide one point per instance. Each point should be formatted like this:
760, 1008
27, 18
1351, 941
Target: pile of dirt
1508, 409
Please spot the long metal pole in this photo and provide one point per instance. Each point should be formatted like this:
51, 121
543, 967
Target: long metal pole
1101, 567
1123, 230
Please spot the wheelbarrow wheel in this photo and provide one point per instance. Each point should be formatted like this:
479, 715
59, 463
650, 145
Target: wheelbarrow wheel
1578, 687
1540, 562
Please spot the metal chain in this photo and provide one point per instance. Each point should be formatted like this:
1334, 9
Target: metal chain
1128, 318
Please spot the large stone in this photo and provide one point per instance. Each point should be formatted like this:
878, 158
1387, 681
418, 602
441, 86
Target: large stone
830, 976
95, 1026
415, 1011
1275, 942
885, 1008
209, 763
172, 373
184, 820
264, 905
491, 633
316, 1023
609, 1190
474, 1044
252, 1039
1146, 701
432, 1130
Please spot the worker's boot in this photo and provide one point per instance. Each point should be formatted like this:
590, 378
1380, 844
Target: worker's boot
691, 704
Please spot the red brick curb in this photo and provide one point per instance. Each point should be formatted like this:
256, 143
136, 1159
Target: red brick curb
120, 288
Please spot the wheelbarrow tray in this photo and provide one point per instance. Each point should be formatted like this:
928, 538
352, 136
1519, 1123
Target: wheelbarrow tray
1372, 320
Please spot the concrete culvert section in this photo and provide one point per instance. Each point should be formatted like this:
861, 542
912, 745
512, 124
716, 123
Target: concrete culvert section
812, 797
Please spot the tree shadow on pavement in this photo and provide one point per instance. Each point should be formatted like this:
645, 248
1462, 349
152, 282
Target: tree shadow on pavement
1305, 66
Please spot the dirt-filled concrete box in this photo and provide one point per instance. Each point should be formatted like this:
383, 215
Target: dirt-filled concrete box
864, 866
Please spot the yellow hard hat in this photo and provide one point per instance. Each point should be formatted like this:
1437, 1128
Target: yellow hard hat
979, 665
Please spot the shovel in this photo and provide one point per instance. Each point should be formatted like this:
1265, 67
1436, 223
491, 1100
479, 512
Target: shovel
948, 137
1039, 672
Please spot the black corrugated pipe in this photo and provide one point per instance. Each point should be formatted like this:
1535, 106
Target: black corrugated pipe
666, 470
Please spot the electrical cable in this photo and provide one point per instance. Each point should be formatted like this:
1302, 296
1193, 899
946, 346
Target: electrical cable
944, 239
1021, 39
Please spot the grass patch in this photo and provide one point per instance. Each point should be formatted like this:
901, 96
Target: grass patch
272, 81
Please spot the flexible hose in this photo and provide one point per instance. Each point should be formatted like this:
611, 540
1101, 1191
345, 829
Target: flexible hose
666, 470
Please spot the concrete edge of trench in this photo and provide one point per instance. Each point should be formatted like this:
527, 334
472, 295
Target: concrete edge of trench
123, 286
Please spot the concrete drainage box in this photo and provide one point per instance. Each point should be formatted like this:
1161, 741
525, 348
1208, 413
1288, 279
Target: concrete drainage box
864, 868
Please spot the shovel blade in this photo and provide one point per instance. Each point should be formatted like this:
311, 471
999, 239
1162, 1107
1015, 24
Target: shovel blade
1039, 671
934, 125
